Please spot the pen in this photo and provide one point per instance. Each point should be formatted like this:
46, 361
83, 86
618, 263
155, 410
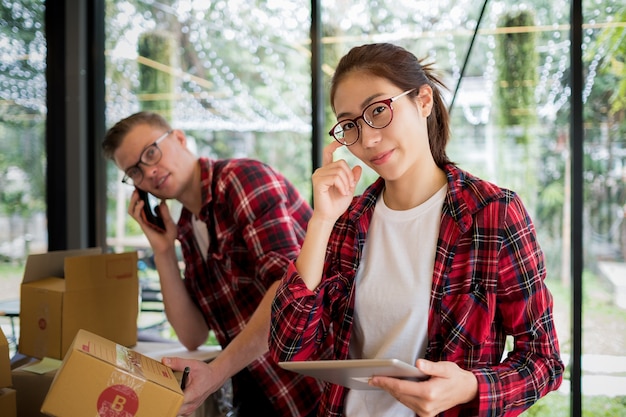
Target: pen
183, 380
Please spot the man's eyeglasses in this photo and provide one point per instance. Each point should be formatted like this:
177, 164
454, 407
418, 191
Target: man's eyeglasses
377, 115
151, 155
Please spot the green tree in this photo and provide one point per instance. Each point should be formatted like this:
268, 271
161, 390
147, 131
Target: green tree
613, 42
156, 50
516, 59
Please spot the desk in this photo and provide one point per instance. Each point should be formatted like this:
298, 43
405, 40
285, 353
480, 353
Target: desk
158, 350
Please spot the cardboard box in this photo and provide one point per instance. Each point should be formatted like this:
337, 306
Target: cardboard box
7, 403
31, 388
64, 291
99, 377
5, 362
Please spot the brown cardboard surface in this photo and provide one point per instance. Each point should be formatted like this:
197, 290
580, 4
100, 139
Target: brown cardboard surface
51, 264
96, 292
41, 312
5, 363
31, 389
7, 403
100, 377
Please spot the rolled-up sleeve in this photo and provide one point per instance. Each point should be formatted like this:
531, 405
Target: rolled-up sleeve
301, 318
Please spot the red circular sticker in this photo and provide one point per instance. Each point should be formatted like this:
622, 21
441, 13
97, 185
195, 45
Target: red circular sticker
118, 401
42, 324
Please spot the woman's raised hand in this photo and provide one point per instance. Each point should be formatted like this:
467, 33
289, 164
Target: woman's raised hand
333, 185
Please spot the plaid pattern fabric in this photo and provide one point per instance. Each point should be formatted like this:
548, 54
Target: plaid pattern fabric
256, 222
488, 282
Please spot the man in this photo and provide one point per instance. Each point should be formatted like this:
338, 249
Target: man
240, 225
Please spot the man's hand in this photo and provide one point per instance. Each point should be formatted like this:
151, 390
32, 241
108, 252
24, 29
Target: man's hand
203, 381
160, 242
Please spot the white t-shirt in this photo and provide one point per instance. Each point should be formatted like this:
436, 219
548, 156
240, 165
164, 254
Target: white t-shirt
202, 235
393, 285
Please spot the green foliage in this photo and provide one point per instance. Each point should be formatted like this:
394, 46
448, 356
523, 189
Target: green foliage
22, 168
552, 405
156, 76
550, 206
604, 407
613, 40
517, 72
558, 405
22, 126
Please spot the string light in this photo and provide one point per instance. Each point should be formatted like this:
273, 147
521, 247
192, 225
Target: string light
238, 98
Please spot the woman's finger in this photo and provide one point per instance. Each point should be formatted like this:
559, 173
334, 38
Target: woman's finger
327, 153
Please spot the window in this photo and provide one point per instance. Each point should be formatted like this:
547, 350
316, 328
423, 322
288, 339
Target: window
236, 79
22, 127
604, 228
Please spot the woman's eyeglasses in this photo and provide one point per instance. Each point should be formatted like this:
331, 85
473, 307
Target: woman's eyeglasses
377, 115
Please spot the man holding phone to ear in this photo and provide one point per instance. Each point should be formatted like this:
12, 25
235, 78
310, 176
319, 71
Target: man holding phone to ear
241, 224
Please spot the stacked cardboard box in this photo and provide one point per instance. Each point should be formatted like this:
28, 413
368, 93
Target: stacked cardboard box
8, 405
31, 387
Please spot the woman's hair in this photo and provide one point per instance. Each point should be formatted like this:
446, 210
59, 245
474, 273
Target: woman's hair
115, 135
404, 70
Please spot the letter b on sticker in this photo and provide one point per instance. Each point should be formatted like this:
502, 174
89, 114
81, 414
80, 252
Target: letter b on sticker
118, 401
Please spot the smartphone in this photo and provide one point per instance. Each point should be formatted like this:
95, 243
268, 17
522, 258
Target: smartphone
150, 213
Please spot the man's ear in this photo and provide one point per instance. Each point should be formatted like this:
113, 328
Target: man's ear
425, 100
180, 137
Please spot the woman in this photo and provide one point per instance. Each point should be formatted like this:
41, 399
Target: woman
431, 265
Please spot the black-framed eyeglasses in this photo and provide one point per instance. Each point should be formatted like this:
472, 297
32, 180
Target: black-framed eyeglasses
151, 155
377, 115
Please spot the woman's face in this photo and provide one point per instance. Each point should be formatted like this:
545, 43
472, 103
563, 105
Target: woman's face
396, 151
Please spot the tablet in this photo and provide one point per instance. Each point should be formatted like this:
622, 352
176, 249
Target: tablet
354, 373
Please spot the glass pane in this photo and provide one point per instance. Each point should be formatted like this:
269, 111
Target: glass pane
235, 78
23, 227
510, 116
604, 278
511, 120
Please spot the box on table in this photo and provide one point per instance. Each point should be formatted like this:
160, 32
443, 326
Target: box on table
64, 291
5, 362
100, 377
7, 403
